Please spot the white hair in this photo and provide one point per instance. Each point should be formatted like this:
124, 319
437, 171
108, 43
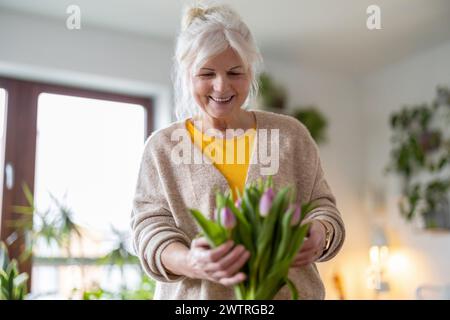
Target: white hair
206, 32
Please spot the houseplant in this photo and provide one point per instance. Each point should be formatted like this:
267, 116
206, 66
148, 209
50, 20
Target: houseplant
273, 97
56, 226
420, 155
13, 284
314, 120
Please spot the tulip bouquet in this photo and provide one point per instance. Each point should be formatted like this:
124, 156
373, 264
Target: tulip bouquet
268, 225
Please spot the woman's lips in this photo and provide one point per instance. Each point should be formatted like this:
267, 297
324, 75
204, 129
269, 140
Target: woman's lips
222, 100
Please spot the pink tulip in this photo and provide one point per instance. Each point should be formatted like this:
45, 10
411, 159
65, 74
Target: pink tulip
266, 202
228, 219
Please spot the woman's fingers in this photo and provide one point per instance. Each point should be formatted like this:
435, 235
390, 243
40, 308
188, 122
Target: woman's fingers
231, 257
222, 263
226, 260
237, 278
234, 264
217, 253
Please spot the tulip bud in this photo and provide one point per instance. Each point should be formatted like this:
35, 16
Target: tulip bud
228, 219
266, 202
238, 203
296, 216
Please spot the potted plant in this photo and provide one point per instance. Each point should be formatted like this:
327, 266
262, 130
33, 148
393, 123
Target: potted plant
13, 284
314, 120
272, 96
420, 155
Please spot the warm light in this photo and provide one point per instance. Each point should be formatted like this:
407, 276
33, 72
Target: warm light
398, 263
379, 256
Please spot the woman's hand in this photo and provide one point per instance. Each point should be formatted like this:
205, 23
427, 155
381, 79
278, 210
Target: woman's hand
219, 265
313, 246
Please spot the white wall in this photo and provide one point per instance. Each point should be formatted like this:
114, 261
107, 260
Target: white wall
421, 257
44, 49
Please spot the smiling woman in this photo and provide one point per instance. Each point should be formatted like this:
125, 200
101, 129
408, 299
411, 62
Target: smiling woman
222, 84
216, 67
233, 51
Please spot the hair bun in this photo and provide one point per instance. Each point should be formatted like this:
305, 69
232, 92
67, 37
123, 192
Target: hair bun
191, 14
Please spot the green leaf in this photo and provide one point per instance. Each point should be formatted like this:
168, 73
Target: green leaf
297, 240
215, 234
282, 245
292, 288
245, 231
4, 257
23, 209
307, 208
20, 280
28, 195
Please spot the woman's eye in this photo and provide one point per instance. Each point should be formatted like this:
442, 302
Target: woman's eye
235, 73
206, 75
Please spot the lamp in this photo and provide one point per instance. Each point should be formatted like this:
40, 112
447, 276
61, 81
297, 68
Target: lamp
378, 257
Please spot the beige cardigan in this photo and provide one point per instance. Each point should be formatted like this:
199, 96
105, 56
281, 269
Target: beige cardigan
165, 190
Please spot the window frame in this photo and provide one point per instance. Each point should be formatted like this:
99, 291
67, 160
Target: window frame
20, 142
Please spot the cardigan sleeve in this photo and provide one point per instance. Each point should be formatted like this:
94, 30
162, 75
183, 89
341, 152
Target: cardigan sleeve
326, 210
152, 223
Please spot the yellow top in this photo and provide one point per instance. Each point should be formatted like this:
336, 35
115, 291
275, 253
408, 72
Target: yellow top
230, 156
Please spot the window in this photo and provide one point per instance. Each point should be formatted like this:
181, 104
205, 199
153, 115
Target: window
79, 153
87, 158
2, 137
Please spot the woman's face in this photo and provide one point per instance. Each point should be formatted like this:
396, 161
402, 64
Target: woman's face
221, 85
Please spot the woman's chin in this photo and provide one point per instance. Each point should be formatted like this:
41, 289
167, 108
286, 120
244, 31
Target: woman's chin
222, 111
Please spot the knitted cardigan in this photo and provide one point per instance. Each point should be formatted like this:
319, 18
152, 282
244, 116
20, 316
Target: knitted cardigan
166, 188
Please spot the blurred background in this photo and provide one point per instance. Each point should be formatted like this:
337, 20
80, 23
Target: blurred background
83, 83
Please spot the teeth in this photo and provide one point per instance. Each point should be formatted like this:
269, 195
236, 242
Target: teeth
222, 100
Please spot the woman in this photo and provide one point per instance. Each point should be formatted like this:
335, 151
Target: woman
216, 65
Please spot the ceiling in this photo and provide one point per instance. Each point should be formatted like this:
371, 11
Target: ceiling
328, 33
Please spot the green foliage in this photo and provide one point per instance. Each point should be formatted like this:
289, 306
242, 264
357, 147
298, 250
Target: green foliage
315, 121
57, 227
144, 291
13, 284
421, 146
53, 226
119, 255
272, 240
272, 95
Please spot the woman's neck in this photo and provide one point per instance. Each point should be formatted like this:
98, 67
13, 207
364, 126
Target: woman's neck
244, 120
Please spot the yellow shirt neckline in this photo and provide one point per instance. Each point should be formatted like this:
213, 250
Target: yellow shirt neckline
247, 133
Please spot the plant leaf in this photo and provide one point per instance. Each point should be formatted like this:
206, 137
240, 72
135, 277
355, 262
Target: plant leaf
215, 234
292, 288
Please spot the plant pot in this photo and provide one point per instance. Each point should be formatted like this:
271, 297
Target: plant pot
439, 218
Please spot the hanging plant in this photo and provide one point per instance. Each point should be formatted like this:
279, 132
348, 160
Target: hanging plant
420, 155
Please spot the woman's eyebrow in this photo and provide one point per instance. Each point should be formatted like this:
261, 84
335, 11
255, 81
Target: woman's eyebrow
211, 69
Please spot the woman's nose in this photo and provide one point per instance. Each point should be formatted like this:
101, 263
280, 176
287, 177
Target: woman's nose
221, 84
